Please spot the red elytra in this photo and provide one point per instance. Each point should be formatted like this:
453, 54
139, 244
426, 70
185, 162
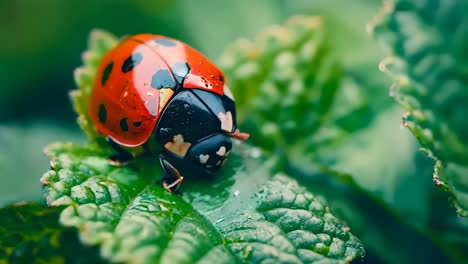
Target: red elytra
137, 78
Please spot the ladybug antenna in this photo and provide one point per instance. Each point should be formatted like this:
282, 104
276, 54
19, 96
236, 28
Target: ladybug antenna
238, 135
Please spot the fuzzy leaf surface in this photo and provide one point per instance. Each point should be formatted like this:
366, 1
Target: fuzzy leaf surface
429, 67
258, 216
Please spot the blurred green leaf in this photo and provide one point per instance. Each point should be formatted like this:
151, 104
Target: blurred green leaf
31, 233
429, 40
345, 23
293, 94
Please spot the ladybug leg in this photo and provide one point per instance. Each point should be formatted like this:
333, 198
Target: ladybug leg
172, 179
122, 156
146, 148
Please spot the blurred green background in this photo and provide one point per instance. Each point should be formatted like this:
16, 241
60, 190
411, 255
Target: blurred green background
42, 42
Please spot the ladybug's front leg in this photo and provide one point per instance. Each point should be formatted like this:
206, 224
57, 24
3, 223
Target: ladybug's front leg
170, 174
122, 156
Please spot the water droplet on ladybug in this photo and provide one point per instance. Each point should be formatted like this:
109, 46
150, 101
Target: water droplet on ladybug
165, 131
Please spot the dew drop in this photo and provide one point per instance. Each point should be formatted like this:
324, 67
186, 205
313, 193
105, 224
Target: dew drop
255, 153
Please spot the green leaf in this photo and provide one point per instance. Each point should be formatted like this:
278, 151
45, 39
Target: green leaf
292, 67
30, 232
294, 96
258, 217
430, 72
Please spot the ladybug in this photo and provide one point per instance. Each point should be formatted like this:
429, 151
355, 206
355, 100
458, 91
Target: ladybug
152, 87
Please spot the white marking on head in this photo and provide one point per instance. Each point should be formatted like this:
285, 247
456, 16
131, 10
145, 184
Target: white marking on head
203, 158
226, 121
228, 92
178, 139
221, 151
178, 145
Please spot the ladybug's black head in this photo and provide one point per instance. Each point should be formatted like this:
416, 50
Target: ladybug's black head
196, 128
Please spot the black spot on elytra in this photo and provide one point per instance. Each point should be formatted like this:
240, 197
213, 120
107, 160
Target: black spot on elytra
131, 62
107, 72
165, 42
137, 124
123, 124
221, 78
180, 70
102, 114
205, 82
162, 79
